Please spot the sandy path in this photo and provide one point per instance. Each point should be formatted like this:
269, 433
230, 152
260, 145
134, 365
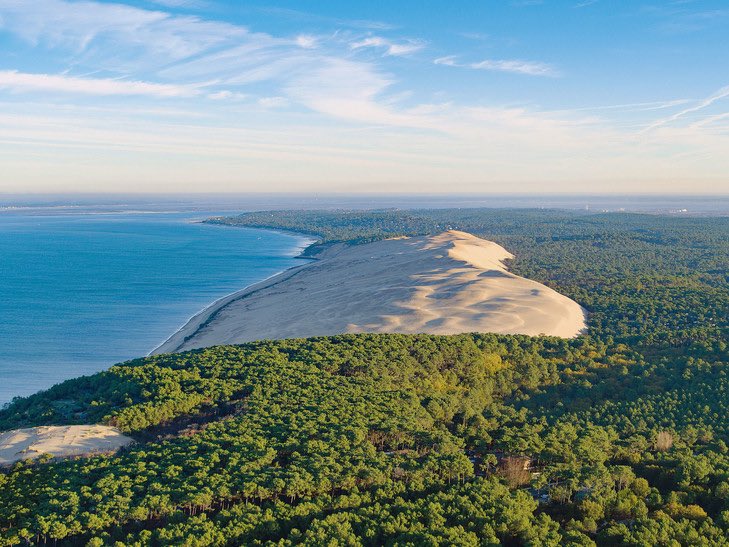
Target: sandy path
450, 283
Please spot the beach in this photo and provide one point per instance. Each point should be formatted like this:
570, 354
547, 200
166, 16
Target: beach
445, 284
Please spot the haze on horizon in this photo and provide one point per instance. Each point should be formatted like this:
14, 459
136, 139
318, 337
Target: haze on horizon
520, 96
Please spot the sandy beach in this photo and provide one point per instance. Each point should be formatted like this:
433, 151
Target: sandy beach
59, 441
446, 284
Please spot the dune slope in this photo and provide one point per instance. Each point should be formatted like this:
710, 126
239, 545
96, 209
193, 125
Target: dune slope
59, 441
450, 283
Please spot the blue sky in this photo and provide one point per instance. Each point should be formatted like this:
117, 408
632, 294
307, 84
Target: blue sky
400, 96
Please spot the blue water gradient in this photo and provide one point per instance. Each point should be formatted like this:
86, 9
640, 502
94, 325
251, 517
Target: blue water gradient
79, 293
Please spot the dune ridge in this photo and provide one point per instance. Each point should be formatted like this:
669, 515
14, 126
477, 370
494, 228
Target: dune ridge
449, 283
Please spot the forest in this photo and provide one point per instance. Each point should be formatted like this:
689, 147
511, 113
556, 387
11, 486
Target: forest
617, 437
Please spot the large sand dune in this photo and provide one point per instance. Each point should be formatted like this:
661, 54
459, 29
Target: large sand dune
59, 441
445, 284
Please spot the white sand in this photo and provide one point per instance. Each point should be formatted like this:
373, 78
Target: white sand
450, 283
59, 441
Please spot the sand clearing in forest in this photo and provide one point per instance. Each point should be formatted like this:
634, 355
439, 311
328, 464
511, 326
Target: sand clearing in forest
59, 441
450, 283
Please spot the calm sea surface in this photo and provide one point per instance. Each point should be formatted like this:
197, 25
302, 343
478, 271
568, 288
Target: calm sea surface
79, 293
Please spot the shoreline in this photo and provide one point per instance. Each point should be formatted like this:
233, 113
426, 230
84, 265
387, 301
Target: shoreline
312, 237
198, 320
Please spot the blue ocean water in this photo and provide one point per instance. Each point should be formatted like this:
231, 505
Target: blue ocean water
80, 292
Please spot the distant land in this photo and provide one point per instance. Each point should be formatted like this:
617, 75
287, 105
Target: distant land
674, 204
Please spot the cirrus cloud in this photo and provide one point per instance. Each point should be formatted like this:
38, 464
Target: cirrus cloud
515, 66
26, 82
391, 48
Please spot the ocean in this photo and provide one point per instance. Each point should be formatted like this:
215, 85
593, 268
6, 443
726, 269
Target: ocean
82, 290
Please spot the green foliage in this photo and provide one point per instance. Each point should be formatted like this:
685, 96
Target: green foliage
296, 421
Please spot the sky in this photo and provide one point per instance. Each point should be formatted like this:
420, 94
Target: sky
399, 96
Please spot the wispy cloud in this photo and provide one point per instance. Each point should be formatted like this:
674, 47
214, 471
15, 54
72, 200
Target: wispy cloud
710, 120
515, 66
390, 47
684, 17
343, 89
226, 94
193, 4
179, 51
631, 107
273, 102
24, 82
478, 36
118, 37
306, 16
306, 41
700, 105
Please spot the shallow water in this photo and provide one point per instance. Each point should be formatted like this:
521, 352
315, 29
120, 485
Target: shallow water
79, 293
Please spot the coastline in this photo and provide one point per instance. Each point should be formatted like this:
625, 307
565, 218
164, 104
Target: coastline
200, 319
172, 343
310, 236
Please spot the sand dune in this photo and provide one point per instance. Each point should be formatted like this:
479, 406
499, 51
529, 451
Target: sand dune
59, 441
445, 284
